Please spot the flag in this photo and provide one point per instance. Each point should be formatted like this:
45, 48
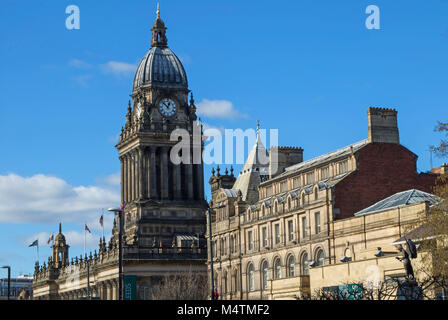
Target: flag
50, 239
101, 220
122, 206
86, 228
34, 244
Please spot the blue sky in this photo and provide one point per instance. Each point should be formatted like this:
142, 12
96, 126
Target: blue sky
309, 68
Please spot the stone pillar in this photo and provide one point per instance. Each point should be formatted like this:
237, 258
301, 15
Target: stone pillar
122, 163
126, 174
128, 178
177, 182
114, 290
103, 291
141, 156
147, 158
189, 181
109, 291
164, 173
199, 181
153, 173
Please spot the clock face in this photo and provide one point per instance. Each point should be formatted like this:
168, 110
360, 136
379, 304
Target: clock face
139, 110
167, 107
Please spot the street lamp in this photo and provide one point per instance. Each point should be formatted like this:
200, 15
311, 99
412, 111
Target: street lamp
211, 247
9, 278
120, 256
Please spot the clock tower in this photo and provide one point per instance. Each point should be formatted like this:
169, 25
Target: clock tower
164, 200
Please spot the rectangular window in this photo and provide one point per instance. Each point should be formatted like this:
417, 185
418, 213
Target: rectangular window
250, 240
290, 230
265, 236
297, 182
317, 222
304, 227
269, 191
324, 173
343, 166
310, 177
277, 233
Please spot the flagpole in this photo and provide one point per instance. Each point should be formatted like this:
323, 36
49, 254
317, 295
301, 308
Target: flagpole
85, 238
102, 225
37, 247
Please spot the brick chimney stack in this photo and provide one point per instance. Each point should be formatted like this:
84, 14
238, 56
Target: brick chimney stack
383, 125
282, 157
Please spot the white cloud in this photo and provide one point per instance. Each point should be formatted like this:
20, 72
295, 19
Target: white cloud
218, 109
119, 68
113, 179
82, 80
76, 63
48, 199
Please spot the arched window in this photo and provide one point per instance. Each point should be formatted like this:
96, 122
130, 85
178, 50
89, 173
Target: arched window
265, 277
303, 199
291, 266
232, 244
275, 207
234, 283
278, 269
289, 204
305, 265
251, 279
320, 257
316, 195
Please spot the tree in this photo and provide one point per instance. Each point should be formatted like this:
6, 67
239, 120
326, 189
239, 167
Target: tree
433, 224
441, 150
189, 286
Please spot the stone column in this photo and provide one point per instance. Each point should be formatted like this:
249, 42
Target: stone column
141, 173
189, 181
103, 291
153, 173
199, 181
109, 291
147, 173
130, 177
122, 163
114, 290
177, 182
126, 174
164, 173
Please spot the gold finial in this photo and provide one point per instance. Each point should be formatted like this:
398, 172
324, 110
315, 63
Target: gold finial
158, 11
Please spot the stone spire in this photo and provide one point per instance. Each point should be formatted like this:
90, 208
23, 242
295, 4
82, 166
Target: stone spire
158, 32
254, 170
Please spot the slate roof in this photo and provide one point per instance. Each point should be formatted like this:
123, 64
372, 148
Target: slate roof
327, 157
250, 177
400, 199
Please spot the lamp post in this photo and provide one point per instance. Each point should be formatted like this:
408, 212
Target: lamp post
120, 254
212, 288
9, 278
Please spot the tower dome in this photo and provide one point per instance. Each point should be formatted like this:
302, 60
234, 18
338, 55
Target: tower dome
160, 67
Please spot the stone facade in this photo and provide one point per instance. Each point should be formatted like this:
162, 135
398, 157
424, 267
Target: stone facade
303, 215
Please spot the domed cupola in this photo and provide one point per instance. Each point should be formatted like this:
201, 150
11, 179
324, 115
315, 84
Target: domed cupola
160, 67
